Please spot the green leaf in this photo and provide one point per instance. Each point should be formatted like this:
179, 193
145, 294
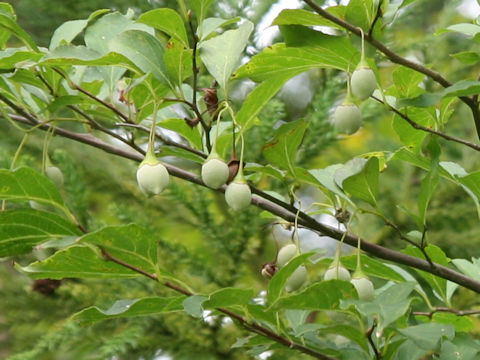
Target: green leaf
467, 57
407, 82
428, 336
168, 21
193, 305
22, 229
325, 295
66, 32
390, 305
370, 267
178, 61
129, 243
221, 54
228, 297
63, 101
326, 178
200, 8
78, 261
461, 323
282, 149
463, 88
7, 23
258, 98
408, 135
464, 28
26, 184
9, 58
67, 55
307, 49
360, 13
130, 308
277, 283
105, 29
350, 333
471, 269
359, 177
180, 126
439, 285
209, 25
307, 18
144, 50
427, 188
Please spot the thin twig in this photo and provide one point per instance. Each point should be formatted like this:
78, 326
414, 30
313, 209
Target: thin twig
194, 106
252, 326
165, 139
92, 96
368, 334
378, 15
445, 309
426, 129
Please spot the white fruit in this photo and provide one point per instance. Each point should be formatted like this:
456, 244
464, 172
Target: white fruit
285, 254
152, 178
297, 279
347, 118
364, 287
214, 173
337, 273
363, 83
238, 195
55, 174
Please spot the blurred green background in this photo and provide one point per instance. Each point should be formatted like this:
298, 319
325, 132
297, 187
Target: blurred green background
212, 249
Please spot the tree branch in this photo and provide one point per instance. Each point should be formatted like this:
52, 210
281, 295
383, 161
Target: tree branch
445, 309
247, 324
280, 209
431, 131
395, 58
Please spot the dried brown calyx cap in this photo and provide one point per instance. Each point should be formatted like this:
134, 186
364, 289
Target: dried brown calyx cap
269, 269
46, 287
211, 99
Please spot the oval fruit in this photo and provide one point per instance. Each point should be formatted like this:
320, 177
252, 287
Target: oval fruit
363, 83
285, 254
337, 273
364, 287
347, 118
55, 174
214, 173
152, 178
238, 195
297, 279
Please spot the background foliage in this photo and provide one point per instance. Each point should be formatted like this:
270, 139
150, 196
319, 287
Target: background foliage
204, 244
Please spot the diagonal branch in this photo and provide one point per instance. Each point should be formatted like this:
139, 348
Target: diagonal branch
280, 209
471, 102
244, 322
426, 129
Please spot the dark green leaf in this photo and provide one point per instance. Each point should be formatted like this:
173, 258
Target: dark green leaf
168, 21
144, 50
21, 229
26, 184
282, 149
130, 308
277, 283
428, 336
359, 177
221, 54
258, 98
193, 305
325, 295
228, 297
439, 285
